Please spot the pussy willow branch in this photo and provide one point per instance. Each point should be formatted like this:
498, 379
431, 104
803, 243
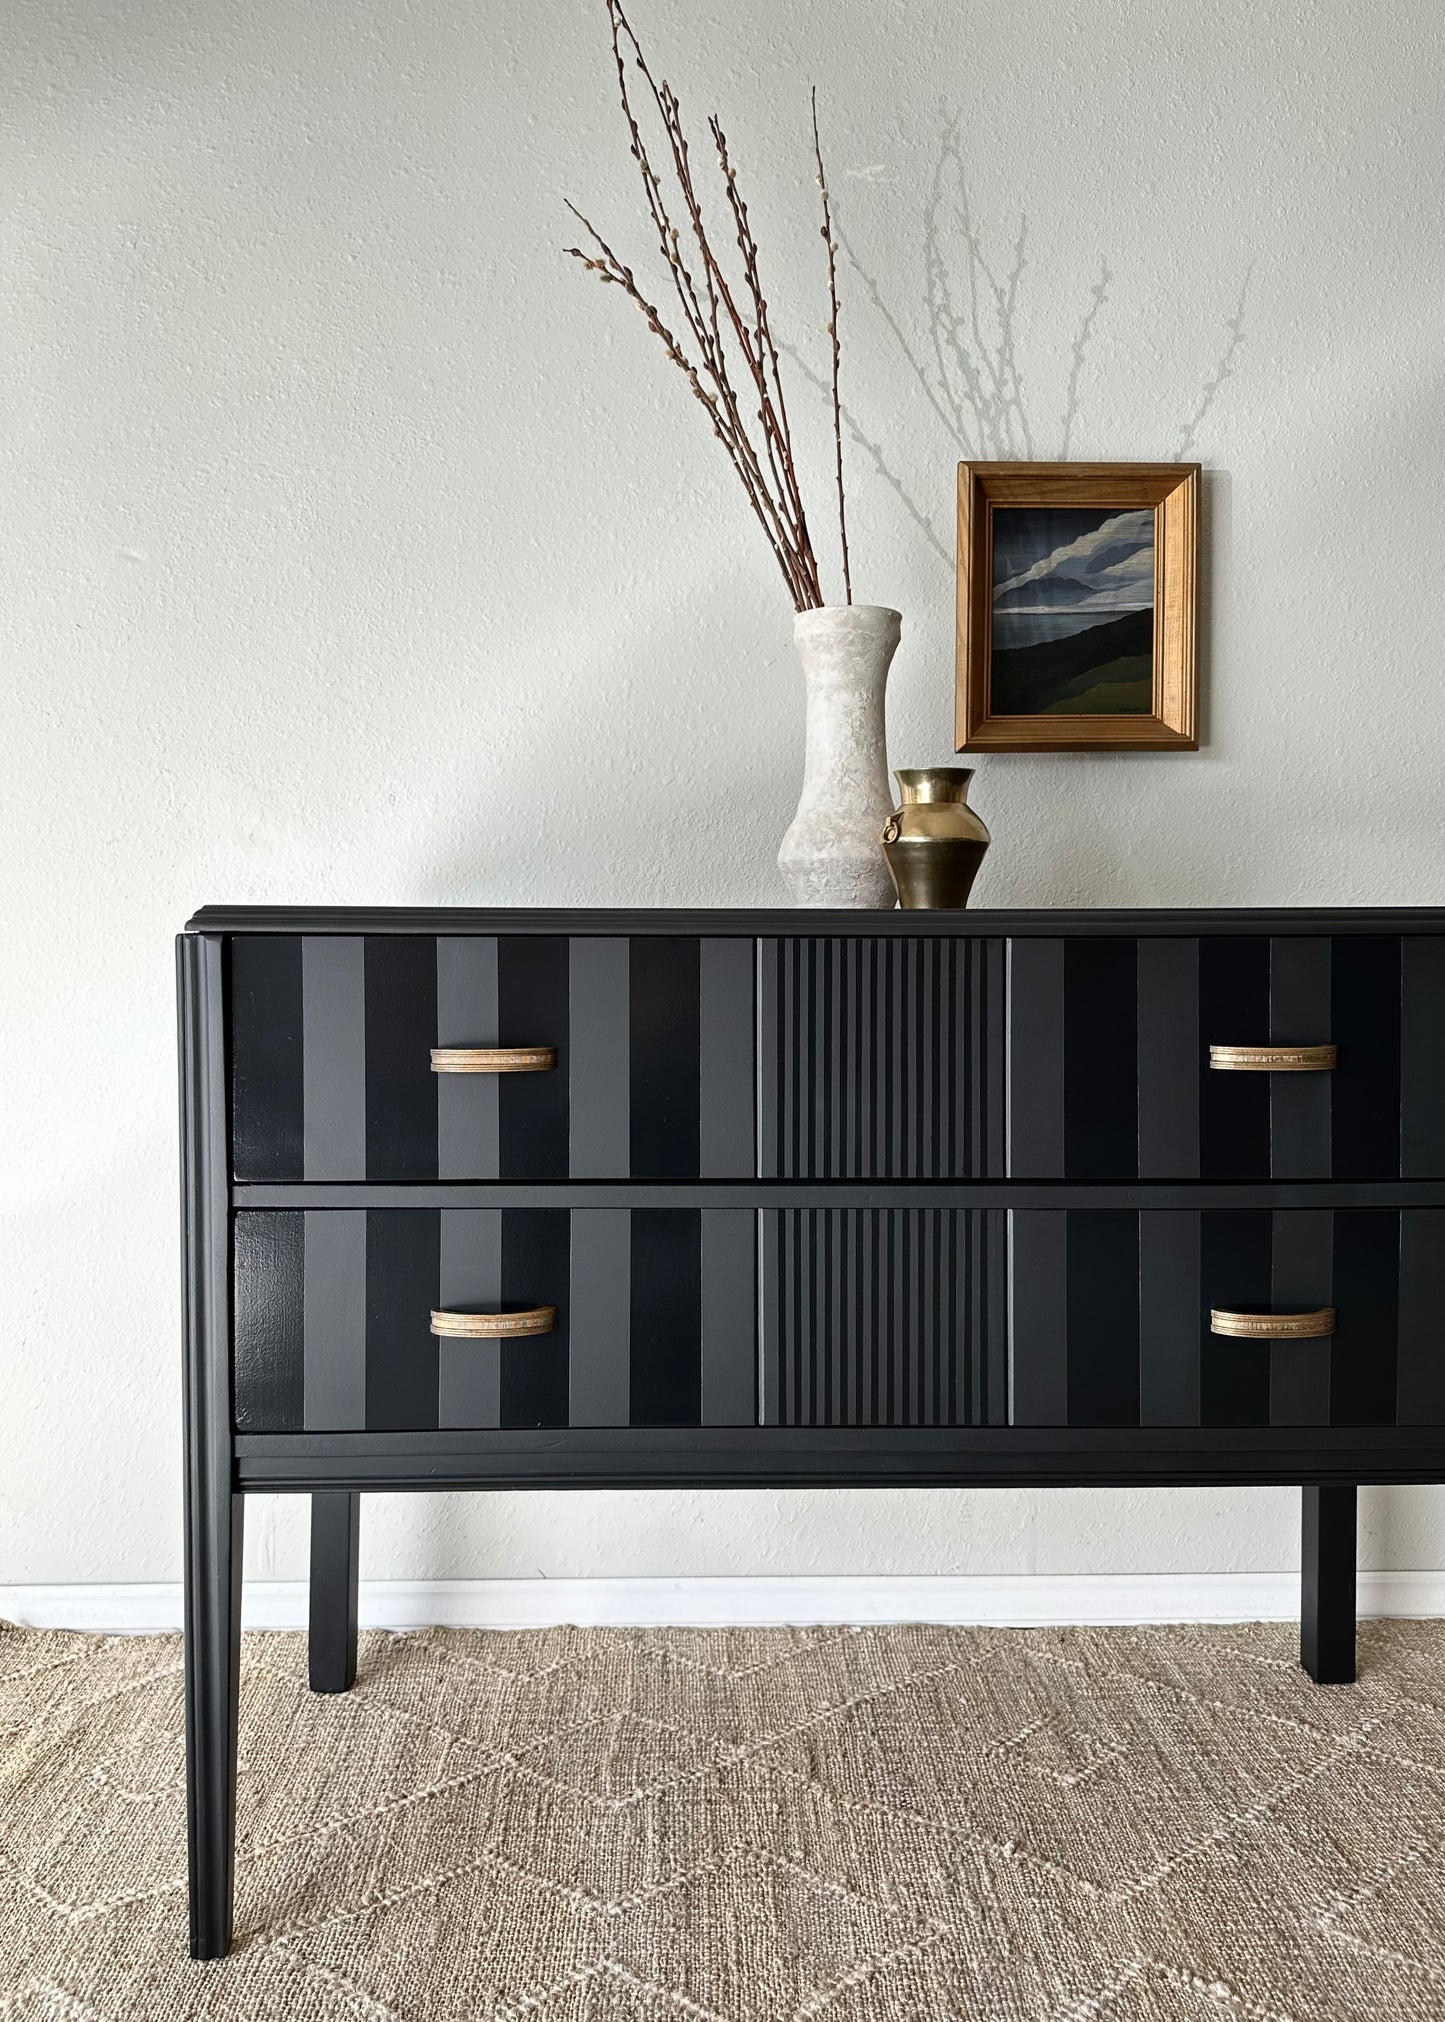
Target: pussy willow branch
829, 241
719, 319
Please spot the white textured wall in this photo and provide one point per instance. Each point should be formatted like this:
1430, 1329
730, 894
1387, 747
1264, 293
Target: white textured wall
355, 547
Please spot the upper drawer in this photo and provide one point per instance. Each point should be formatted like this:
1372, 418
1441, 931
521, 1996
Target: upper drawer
1110, 1073
331, 1042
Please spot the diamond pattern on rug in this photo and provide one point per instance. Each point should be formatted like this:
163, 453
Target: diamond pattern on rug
830, 1825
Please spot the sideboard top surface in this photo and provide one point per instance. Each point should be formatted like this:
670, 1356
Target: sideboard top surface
788, 924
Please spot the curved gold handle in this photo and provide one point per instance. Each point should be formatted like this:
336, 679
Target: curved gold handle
1273, 1326
493, 1326
1273, 1059
492, 1059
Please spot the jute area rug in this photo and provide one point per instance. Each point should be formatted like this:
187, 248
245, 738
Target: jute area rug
1119, 1824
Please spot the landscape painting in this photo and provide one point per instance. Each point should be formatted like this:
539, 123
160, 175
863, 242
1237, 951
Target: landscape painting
1072, 612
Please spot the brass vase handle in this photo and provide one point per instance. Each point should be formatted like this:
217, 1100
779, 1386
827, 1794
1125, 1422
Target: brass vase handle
494, 1326
492, 1059
1273, 1326
1273, 1059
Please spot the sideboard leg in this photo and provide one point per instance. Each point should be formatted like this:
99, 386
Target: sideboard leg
1327, 1586
335, 1535
213, 1685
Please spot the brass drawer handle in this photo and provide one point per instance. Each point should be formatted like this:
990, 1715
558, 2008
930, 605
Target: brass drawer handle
1273, 1326
492, 1059
1273, 1059
493, 1326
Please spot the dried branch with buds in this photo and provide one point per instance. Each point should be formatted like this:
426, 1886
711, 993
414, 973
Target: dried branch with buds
727, 352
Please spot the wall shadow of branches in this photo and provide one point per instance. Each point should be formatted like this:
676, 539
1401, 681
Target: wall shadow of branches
966, 363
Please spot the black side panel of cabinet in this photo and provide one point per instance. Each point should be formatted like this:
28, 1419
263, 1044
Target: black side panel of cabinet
1233, 1107
533, 992
401, 1089
267, 1307
267, 1086
1365, 997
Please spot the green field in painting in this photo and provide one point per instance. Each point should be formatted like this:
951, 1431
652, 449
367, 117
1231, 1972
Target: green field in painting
1100, 670
1123, 687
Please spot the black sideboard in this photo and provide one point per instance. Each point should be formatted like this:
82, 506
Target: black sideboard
799, 1198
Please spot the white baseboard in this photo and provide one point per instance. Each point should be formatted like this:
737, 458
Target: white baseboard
1020, 1601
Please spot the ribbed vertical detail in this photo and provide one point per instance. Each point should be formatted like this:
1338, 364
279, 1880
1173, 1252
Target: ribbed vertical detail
883, 1316
887, 1058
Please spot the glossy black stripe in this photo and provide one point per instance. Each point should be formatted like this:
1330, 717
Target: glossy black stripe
1236, 1275
1421, 1386
470, 1281
1036, 1059
536, 1271
1299, 1015
267, 1095
1422, 1057
666, 1317
770, 1049
403, 1282
1168, 1060
1038, 1317
1365, 1000
664, 990
773, 1317
268, 1302
1365, 1350
401, 1025
1302, 1281
533, 984
1103, 1317
1101, 1087
995, 1406
1169, 1303
1233, 1106
994, 1039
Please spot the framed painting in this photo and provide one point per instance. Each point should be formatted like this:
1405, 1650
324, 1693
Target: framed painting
1076, 606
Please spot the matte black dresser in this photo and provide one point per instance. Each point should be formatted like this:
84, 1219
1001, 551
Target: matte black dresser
511, 1199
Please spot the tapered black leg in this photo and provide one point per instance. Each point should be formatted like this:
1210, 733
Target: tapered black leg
335, 1532
1327, 1586
213, 1673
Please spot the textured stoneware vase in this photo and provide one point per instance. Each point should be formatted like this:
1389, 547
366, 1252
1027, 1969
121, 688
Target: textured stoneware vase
831, 855
934, 842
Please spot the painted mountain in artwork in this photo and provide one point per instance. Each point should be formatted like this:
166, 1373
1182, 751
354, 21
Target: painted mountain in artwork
1073, 612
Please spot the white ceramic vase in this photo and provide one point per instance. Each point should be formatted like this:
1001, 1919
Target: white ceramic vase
832, 855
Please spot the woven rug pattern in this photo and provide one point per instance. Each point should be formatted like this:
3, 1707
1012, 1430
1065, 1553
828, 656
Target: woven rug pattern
1108, 1825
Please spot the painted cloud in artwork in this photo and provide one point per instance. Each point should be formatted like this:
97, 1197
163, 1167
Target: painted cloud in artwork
1109, 567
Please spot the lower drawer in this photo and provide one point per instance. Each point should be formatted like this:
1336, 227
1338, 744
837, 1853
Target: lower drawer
933, 1317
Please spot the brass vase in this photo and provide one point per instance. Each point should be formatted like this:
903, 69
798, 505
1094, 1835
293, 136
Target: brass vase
934, 842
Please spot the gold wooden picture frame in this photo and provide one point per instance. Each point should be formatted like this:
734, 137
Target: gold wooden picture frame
1077, 602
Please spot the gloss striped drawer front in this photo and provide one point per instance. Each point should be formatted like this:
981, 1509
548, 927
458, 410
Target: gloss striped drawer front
655, 1318
1110, 1048
1112, 1317
332, 1078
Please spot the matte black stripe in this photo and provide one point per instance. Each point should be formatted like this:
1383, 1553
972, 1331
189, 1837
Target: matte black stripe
1299, 1015
770, 1050
333, 996
1236, 1275
1169, 1305
1233, 1107
1168, 1060
726, 1124
666, 1317
267, 1096
729, 1316
995, 1041
1302, 1281
469, 1372
1103, 1317
664, 1057
772, 1309
1365, 996
401, 1023
467, 1016
1038, 1317
403, 1272
267, 1305
995, 1403
1421, 1387
598, 1022
335, 1319
600, 1325
1422, 1057
1036, 1059
536, 1271
532, 1010
1101, 1062
1365, 1349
